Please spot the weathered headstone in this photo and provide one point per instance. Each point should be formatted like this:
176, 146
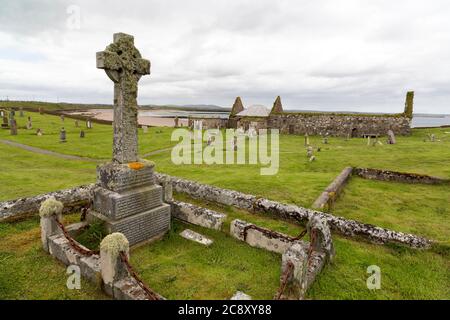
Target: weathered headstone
306, 140
62, 135
127, 199
13, 127
145, 129
89, 124
5, 124
39, 132
82, 134
29, 124
309, 151
391, 137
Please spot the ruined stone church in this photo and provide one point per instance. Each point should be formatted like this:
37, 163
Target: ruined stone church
316, 123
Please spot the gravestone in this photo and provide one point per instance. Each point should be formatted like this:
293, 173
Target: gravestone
62, 118
126, 198
82, 134
21, 113
176, 121
2, 113
41, 111
89, 124
309, 152
391, 137
306, 140
13, 127
76, 124
5, 124
39, 132
145, 129
62, 135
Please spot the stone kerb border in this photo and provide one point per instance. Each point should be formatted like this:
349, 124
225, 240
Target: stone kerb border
73, 199
301, 261
346, 227
107, 269
403, 177
327, 198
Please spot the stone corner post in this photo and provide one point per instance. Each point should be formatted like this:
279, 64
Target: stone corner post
112, 267
50, 211
294, 271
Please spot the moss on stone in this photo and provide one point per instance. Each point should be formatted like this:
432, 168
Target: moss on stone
115, 243
50, 207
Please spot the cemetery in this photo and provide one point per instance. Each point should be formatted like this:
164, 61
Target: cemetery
110, 201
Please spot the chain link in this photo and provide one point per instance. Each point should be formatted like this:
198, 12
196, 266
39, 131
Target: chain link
151, 295
74, 244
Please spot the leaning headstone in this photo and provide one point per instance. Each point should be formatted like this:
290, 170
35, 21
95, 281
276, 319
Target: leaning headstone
126, 198
391, 137
62, 135
82, 134
13, 127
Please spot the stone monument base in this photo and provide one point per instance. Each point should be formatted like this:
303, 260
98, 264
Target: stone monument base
127, 200
137, 228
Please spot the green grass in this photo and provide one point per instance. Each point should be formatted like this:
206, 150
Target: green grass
418, 209
97, 143
182, 269
28, 272
406, 273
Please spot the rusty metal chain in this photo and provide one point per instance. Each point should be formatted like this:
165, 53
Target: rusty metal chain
149, 292
286, 275
75, 245
273, 234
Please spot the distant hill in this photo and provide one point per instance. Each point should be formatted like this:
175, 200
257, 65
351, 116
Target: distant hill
188, 107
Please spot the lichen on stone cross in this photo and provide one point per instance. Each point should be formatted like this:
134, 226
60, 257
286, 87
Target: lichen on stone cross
124, 65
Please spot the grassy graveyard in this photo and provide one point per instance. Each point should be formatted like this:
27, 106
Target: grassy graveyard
406, 273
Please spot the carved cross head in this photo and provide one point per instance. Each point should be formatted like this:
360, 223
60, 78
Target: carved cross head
122, 61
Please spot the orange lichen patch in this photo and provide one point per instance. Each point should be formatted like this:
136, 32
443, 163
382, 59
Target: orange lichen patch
136, 165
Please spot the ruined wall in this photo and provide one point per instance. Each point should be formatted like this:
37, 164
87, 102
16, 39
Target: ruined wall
209, 123
338, 124
244, 122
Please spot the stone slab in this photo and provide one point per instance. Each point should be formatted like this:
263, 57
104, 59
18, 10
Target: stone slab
120, 205
198, 215
240, 296
196, 237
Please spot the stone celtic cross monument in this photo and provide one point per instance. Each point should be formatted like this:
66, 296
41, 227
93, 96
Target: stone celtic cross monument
127, 199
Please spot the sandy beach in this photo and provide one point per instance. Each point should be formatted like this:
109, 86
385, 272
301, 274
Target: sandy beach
145, 120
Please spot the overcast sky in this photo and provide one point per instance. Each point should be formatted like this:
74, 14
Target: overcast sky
326, 55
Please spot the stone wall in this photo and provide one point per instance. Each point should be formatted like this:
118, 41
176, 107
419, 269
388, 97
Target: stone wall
339, 125
209, 123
